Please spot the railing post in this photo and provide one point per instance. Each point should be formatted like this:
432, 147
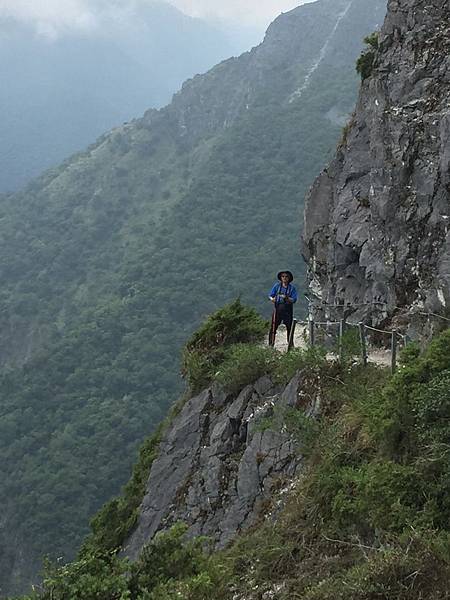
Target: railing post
341, 335
362, 337
394, 351
311, 333
405, 341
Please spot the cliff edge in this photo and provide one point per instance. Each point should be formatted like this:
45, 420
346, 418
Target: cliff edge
218, 466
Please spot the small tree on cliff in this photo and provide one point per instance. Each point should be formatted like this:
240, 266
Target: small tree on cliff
364, 64
209, 345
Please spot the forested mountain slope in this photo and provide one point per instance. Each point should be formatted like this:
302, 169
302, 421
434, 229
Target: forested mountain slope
109, 261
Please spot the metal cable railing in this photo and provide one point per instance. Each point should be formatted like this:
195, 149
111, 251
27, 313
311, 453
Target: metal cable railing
364, 329
316, 328
349, 305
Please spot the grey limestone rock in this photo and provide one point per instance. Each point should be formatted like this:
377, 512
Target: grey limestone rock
216, 468
377, 219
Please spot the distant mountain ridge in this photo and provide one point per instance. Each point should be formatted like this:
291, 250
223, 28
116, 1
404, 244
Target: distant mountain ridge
59, 94
109, 262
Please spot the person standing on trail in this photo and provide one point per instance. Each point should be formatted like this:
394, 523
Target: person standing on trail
283, 295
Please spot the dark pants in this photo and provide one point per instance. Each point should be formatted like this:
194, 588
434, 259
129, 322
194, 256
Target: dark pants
284, 313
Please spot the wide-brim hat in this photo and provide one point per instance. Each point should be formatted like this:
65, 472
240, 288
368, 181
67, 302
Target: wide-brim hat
288, 273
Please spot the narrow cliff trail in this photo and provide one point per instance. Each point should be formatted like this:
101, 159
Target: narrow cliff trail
379, 356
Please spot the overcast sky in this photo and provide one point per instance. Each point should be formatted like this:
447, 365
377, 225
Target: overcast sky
54, 17
253, 12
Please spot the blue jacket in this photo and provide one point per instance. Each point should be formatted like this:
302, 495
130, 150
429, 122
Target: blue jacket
278, 289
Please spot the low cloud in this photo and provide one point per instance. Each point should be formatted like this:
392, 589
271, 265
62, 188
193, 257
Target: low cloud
50, 18
252, 12
54, 18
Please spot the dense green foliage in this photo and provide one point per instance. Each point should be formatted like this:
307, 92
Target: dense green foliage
173, 567
245, 363
224, 349
369, 518
170, 567
216, 341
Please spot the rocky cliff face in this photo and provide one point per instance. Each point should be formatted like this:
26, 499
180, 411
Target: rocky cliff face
377, 219
218, 466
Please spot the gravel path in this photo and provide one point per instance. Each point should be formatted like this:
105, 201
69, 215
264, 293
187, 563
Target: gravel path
378, 356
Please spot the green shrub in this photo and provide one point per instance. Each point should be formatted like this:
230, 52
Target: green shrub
372, 40
289, 363
301, 428
207, 348
384, 456
232, 324
398, 430
97, 576
375, 496
198, 368
413, 568
365, 63
431, 409
171, 567
430, 405
350, 345
244, 364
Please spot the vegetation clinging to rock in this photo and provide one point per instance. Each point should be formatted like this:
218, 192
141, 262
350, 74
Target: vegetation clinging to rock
210, 345
365, 62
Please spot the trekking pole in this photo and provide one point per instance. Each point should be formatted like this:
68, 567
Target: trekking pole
273, 326
291, 334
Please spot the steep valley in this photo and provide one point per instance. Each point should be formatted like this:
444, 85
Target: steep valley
111, 260
275, 475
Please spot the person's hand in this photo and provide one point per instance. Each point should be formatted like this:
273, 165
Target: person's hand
272, 300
